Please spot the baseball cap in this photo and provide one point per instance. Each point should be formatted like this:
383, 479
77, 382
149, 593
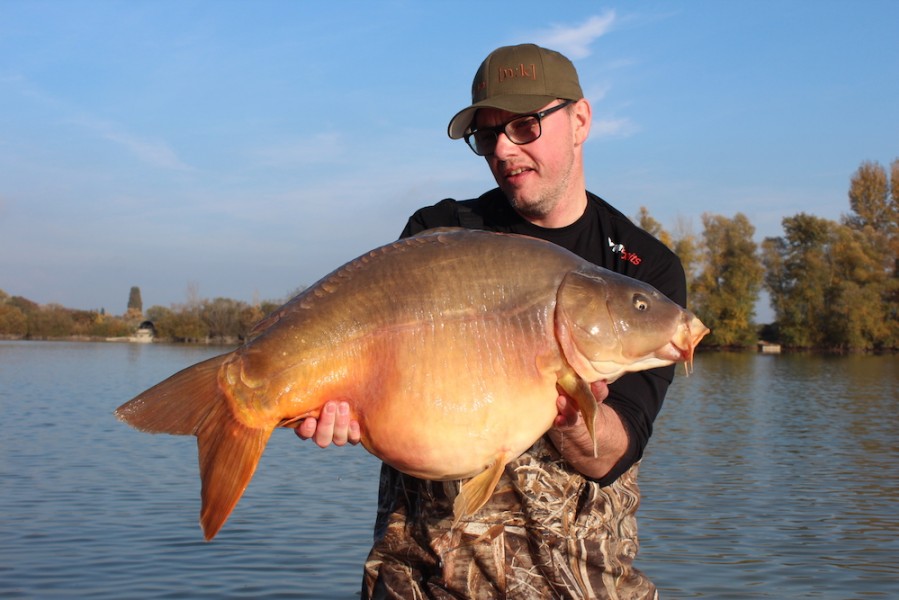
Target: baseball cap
520, 79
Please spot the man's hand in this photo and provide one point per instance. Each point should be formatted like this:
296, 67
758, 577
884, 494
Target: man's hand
569, 415
334, 425
569, 434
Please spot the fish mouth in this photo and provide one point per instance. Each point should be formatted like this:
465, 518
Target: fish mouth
686, 338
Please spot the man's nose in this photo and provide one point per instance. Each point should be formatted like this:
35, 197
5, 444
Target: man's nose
504, 145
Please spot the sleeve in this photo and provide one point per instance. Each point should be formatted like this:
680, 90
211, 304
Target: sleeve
638, 397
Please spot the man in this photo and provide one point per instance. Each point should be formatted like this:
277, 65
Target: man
562, 522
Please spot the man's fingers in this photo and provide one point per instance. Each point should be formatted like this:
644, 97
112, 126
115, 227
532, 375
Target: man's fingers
333, 426
568, 412
600, 390
355, 434
340, 431
306, 428
324, 432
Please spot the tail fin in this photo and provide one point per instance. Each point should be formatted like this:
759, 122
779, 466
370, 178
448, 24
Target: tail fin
191, 403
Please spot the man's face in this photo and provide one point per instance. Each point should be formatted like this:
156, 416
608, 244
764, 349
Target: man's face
534, 176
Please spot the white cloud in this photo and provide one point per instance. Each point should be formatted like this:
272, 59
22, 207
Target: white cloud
574, 42
596, 93
608, 128
153, 152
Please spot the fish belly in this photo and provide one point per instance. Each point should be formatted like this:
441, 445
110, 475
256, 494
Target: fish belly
444, 401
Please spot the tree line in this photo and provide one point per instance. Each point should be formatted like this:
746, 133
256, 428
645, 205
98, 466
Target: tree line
220, 320
832, 285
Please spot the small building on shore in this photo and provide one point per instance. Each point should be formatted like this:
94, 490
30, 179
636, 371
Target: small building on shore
145, 333
768, 347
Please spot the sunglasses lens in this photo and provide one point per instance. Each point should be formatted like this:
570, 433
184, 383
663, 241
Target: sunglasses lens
524, 130
482, 142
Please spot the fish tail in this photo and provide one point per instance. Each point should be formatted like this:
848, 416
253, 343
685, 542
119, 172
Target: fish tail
192, 403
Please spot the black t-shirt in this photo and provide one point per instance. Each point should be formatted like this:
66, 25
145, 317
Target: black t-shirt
607, 238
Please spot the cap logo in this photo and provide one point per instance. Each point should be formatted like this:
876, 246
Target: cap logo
521, 71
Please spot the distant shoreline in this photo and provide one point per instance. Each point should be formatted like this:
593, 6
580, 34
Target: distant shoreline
235, 343
118, 340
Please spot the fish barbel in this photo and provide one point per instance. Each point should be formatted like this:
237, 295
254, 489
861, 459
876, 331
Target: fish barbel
450, 347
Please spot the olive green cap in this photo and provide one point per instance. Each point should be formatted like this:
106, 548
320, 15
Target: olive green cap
520, 79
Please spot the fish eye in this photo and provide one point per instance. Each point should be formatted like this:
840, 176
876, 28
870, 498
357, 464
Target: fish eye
641, 302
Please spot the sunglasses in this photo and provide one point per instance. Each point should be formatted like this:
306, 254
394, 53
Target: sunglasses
521, 130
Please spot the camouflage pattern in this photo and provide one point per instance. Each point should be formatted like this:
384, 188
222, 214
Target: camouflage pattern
547, 532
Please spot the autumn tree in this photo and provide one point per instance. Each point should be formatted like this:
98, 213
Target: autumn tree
874, 202
13, 321
687, 248
648, 224
830, 283
859, 311
50, 321
179, 324
683, 242
726, 289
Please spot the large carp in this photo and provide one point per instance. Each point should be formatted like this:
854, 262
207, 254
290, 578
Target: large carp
450, 347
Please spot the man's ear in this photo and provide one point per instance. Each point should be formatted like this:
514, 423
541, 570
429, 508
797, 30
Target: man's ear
582, 118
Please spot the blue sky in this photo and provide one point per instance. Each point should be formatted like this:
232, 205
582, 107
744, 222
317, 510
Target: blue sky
245, 149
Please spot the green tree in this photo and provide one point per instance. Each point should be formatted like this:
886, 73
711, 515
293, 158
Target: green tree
827, 284
728, 284
798, 273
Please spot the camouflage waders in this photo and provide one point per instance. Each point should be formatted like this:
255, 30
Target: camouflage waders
547, 532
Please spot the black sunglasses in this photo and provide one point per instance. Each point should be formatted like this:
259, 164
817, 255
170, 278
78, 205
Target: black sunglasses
520, 130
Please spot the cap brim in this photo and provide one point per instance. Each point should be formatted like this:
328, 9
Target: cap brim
513, 103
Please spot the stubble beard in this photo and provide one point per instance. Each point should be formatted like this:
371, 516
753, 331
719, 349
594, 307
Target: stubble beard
538, 205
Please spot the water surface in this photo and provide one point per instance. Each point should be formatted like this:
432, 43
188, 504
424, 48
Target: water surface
767, 477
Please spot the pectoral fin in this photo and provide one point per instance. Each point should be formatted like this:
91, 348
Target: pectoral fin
577, 388
477, 490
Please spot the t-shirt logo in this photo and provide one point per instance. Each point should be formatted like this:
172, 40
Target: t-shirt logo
630, 257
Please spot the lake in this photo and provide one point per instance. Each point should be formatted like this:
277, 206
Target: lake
767, 477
